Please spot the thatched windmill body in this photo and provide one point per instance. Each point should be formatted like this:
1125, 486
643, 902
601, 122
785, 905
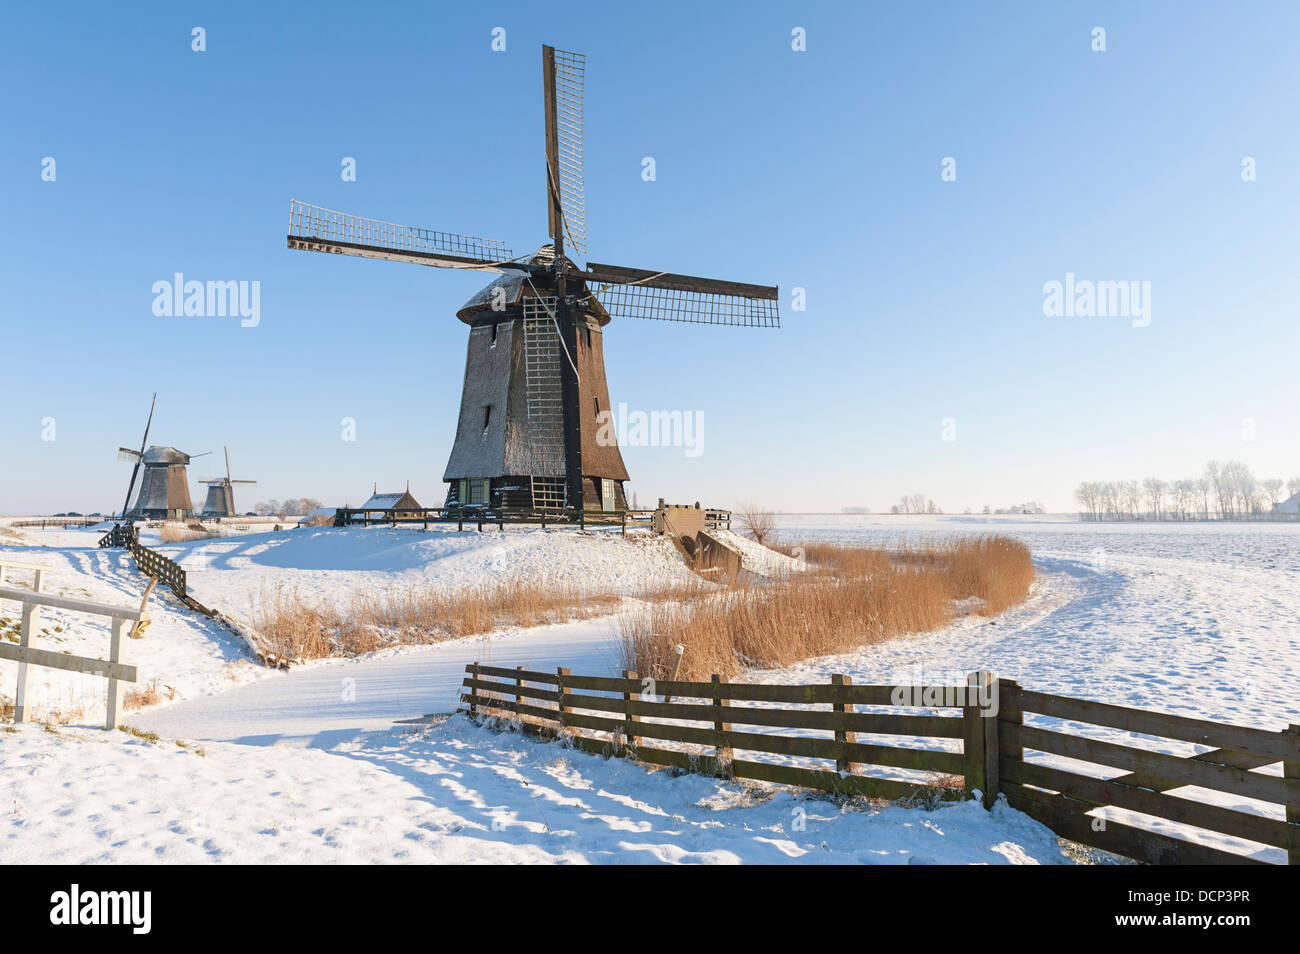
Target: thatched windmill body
220, 501
529, 433
165, 486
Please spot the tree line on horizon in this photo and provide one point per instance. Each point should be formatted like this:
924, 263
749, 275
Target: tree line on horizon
1226, 490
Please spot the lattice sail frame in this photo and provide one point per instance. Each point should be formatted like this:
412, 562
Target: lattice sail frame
570, 77
313, 222
703, 308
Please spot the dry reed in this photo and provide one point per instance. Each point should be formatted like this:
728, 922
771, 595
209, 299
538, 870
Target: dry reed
420, 615
847, 597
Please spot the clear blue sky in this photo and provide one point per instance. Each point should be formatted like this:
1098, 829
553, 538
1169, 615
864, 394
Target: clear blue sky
818, 169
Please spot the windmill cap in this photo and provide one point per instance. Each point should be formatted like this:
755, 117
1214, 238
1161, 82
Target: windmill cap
511, 289
165, 455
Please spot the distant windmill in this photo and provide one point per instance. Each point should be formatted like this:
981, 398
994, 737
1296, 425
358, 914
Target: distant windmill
530, 431
221, 494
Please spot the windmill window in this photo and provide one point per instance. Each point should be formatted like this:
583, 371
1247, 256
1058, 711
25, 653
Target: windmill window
494, 335
595, 403
587, 332
478, 491
487, 416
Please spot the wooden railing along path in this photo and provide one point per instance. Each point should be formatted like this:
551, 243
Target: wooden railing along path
126, 621
630, 716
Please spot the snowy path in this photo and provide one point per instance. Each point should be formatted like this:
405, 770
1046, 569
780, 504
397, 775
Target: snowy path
320, 704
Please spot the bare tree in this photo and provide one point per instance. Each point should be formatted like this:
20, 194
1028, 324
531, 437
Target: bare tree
758, 523
1272, 488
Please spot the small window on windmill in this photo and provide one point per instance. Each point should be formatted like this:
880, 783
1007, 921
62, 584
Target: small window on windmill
478, 491
494, 337
487, 413
587, 332
595, 403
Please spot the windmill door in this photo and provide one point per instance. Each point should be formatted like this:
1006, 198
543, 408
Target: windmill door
606, 494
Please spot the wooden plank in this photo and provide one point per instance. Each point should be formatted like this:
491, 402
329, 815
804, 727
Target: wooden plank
28, 655
721, 751
114, 684
1173, 768
949, 697
515, 689
1279, 745
874, 723
69, 603
1101, 792
630, 718
1291, 769
976, 771
843, 764
992, 754
31, 613
561, 676
1064, 816
862, 785
15, 565
527, 675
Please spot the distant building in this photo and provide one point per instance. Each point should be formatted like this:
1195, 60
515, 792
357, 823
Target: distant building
401, 500
1290, 505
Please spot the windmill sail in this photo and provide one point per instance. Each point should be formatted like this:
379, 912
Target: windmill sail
564, 75
664, 296
314, 229
136, 457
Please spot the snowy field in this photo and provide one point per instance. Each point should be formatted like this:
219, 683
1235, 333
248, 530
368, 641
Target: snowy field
307, 766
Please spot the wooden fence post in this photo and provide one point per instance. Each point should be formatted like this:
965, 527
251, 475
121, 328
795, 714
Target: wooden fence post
842, 763
473, 690
519, 699
629, 717
114, 686
722, 751
1292, 770
31, 614
564, 691
973, 737
989, 716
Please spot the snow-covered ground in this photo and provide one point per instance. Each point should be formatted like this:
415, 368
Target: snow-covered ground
450, 793
1194, 619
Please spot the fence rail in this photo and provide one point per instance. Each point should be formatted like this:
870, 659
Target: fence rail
988, 717
500, 516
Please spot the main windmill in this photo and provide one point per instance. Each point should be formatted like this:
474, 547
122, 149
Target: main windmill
529, 434
164, 489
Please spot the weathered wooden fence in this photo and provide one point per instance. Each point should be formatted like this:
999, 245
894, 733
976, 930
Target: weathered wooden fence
988, 717
1147, 777
498, 517
113, 668
153, 564
625, 707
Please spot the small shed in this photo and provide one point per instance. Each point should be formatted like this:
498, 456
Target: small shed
400, 500
1290, 505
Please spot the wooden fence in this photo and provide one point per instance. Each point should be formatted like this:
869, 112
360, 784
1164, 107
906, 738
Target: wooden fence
625, 707
126, 621
498, 517
1146, 777
987, 716
153, 564
57, 523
